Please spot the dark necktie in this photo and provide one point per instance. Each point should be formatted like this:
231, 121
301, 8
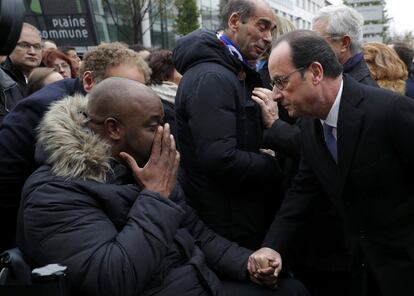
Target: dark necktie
330, 140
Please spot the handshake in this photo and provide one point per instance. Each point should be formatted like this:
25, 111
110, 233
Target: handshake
264, 266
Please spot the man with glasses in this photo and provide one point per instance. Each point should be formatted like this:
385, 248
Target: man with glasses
25, 57
341, 26
357, 155
328, 257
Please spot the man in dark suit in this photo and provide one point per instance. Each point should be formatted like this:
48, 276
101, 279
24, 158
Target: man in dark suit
357, 148
326, 255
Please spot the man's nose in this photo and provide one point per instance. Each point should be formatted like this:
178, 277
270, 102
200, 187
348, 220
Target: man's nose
60, 69
276, 94
31, 50
267, 37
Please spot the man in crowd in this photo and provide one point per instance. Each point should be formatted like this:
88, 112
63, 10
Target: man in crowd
225, 176
25, 57
108, 195
17, 134
325, 251
71, 53
342, 26
357, 151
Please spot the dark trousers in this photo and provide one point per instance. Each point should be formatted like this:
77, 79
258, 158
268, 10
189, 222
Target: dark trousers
286, 287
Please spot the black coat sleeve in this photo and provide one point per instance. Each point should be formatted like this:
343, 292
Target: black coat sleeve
221, 254
283, 137
213, 124
295, 209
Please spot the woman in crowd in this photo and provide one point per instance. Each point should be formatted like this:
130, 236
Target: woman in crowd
406, 54
164, 81
385, 66
54, 58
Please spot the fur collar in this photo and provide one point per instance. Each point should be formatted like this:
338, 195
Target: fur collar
72, 149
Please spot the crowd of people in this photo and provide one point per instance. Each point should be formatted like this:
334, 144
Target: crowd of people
254, 160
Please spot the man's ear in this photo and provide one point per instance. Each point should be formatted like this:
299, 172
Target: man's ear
317, 72
87, 81
112, 129
346, 43
234, 22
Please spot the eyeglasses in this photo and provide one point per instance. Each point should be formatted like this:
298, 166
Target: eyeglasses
27, 46
280, 81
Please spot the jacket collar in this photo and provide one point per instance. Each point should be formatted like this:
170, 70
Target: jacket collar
14, 72
5, 80
71, 148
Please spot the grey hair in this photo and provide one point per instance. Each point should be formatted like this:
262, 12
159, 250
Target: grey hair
340, 20
245, 8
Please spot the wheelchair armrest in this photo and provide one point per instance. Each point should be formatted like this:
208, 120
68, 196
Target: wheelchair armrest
14, 269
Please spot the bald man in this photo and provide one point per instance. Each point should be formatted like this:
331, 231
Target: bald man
18, 130
107, 205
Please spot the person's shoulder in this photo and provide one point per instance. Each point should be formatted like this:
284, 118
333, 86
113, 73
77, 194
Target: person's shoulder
53, 92
5, 80
43, 184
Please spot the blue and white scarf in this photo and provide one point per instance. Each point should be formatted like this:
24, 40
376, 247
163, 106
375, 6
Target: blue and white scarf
233, 49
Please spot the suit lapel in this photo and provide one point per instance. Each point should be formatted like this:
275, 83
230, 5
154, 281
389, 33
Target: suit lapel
350, 121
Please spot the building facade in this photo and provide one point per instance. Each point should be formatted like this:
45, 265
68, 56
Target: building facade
299, 12
113, 20
375, 23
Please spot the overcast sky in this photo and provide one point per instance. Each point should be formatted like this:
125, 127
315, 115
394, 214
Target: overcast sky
401, 12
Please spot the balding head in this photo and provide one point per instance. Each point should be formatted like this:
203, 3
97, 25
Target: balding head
114, 95
126, 113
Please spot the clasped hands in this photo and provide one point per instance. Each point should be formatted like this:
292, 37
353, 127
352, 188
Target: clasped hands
264, 267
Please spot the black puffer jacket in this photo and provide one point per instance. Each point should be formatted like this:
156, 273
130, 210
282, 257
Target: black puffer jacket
17, 150
219, 128
114, 238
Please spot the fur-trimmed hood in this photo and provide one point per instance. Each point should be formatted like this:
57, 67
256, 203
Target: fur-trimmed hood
71, 148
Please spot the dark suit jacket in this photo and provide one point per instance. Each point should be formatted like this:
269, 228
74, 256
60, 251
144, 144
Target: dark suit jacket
371, 187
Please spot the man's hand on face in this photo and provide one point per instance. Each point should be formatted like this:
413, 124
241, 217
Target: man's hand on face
160, 172
264, 266
270, 111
